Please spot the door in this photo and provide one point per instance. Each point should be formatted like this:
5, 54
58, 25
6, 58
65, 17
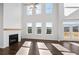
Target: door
75, 32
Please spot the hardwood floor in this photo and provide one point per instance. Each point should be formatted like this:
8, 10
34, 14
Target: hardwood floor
12, 49
45, 48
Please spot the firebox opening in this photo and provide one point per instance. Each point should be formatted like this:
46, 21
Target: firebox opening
13, 39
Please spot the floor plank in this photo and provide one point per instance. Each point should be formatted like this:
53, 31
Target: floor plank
68, 53
43, 50
41, 45
73, 43
23, 51
60, 48
63, 50
27, 44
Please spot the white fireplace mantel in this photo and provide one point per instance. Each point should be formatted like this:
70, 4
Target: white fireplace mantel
8, 32
12, 16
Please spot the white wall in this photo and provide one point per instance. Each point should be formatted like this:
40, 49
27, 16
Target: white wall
12, 15
60, 21
1, 25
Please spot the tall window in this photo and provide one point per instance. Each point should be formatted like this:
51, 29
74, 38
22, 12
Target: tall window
39, 27
29, 9
48, 8
75, 33
48, 28
38, 9
29, 28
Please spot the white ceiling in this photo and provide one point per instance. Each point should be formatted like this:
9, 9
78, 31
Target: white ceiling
69, 8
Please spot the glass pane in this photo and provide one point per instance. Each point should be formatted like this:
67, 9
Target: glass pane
38, 30
38, 9
29, 29
48, 8
66, 29
29, 13
75, 29
49, 30
29, 9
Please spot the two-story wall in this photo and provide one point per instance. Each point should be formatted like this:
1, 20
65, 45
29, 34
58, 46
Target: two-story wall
56, 18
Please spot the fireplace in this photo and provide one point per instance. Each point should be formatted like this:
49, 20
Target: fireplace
13, 38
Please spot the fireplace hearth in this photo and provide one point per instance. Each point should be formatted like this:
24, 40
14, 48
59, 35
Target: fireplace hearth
13, 38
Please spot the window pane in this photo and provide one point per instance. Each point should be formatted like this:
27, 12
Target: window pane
29, 26
29, 9
38, 9
49, 30
75, 29
38, 30
66, 29
29, 29
48, 8
75, 32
